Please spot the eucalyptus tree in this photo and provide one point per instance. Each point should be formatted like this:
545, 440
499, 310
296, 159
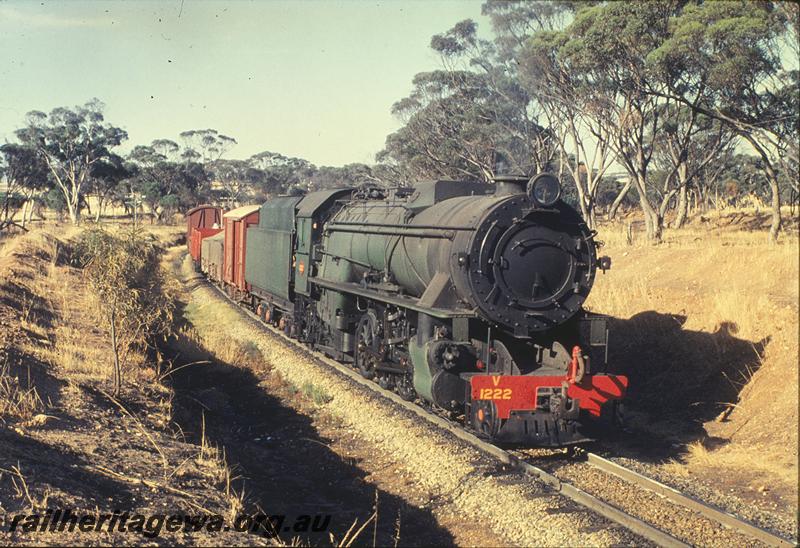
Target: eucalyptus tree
279, 173
461, 120
233, 177
729, 54
165, 184
605, 48
167, 148
205, 145
71, 142
582, 135
25, 173
104, 180
354, 174
527, 38
688, 142
444, 133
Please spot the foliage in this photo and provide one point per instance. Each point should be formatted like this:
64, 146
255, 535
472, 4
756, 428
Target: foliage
54, 200
131, 292
670, 86
674, 93
469, 120
106, 180
25, 173
728, 54
71, 142
166, 185
235, 176
205, 145
338, 177
278, 173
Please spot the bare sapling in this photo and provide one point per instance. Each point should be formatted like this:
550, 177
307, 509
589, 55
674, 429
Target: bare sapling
132, 295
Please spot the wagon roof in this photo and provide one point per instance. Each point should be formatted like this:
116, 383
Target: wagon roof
203, 206
241, 212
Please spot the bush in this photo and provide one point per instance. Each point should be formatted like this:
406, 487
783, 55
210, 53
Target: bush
132, 294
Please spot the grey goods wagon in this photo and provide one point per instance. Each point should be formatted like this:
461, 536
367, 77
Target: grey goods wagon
212, 255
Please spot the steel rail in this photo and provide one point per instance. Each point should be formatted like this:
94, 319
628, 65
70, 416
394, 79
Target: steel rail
675, 496
604, 509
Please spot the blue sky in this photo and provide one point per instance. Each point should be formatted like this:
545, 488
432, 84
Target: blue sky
311, 79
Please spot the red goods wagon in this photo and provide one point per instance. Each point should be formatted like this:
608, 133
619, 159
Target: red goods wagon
203, 216
235, 223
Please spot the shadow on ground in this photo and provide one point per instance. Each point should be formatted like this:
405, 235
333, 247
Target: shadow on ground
283, 464
61, 477
680, 379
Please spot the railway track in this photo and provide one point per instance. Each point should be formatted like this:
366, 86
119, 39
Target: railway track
687, 518
565, 484
676, 497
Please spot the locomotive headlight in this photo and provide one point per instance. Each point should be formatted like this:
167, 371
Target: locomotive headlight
544, 189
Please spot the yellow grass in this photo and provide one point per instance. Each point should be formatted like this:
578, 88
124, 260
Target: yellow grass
205, 318
721, 279
15, 399
738, 462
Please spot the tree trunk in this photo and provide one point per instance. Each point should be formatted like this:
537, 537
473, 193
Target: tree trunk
31, 210
658, 228
24, 213
772, 179
4, 216
775, 228
612, 213
117, 374
587, 210
74, 213
683, 207
653, 221
662, 210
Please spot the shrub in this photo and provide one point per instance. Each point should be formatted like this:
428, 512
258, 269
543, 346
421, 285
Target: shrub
131, 292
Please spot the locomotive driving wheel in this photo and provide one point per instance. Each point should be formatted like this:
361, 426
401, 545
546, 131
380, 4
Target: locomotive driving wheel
368, 344
405, 387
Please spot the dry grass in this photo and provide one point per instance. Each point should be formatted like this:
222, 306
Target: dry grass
213, 463
22, 492
167, 234
15, 400
205, 334
747, 226
714, 294
315, 393
49, 328
75, 342
737, 462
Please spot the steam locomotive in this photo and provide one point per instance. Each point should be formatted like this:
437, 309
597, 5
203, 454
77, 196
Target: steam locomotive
466, 296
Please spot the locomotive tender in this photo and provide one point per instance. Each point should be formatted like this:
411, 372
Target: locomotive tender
465, 295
